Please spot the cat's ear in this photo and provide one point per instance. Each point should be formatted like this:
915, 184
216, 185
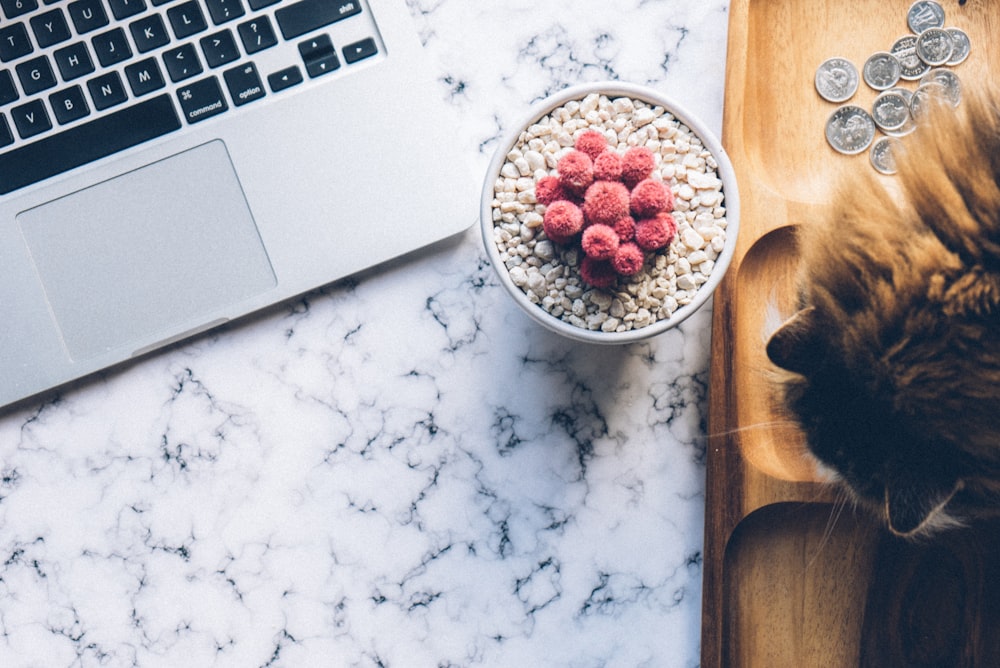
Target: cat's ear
797, 345
915, 503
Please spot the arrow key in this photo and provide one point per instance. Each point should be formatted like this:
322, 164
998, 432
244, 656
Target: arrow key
285, 78
366, 48
319, 55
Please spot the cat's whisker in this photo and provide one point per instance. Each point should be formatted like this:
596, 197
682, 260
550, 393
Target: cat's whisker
772, 424
836, 510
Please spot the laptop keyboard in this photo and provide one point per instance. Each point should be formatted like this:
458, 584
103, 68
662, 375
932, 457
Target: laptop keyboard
84, 79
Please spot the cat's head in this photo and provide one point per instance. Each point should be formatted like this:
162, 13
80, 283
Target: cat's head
893, 360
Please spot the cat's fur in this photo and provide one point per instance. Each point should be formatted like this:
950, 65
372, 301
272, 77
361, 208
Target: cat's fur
895, 355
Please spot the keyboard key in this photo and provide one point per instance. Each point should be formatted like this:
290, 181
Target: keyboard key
69, 105
107, 90
8, 91
224, 10
305, 16
14, 42
285, 78
123, 9
149, 33
182, 63
50, 28
366, 48
76, 146
261, 4
319, 56
6, 136
219, 48
36, 75
144, 77
201, 100
186, 19
87, 15
111, 47
14, 8
73, 61
30, 119
244, 84
257, 34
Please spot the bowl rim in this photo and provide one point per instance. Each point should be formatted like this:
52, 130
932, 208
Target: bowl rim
731, 200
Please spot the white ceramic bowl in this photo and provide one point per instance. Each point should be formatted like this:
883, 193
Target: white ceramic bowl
612, 89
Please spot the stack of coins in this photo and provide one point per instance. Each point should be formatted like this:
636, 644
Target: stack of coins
923, 56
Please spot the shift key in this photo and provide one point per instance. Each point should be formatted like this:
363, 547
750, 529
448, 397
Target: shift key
305, 16
202, 99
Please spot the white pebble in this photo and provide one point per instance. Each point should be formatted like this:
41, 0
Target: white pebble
519, 276
691, 239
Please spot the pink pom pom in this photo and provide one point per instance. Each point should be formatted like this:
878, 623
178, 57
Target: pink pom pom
598, 273
592, 143
562, 221
608, 167
649, 197
600, 242
576, 171
655, 233
624, 227
637, 164
548, 190
605, 202
628, 260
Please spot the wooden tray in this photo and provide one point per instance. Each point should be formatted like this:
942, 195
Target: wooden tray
789, 578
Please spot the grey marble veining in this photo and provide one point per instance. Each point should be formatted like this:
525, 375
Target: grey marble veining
401, 469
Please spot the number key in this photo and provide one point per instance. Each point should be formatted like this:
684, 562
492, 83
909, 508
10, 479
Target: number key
14, 8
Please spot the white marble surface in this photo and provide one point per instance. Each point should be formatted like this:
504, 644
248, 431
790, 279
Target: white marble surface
401, 470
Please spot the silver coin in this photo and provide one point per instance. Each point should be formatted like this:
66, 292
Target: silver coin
837, 79
850, 130
909, 126
934, 46
952, 84
882, 156
905, 50
960, 46
924, 14
926, 95
905, 92
881, 70
890, 111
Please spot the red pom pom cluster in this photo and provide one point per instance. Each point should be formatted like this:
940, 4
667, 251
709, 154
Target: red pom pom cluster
608, 203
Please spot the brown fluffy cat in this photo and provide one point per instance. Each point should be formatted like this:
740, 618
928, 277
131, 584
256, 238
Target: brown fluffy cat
895, 355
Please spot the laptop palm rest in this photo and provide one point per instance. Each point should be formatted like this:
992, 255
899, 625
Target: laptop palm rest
147, 254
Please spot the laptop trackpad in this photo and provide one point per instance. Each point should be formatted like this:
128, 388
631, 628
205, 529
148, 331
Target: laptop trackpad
147, 253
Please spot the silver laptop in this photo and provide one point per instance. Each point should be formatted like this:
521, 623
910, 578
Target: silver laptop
169, 165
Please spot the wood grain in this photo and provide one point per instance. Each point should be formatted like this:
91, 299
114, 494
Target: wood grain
789, 579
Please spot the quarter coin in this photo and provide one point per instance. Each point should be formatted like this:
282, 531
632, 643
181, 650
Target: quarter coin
837, 79
890, 111
905, 50
924, 14
960, 46
934, 46
850, 129
882, 157
881, 70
